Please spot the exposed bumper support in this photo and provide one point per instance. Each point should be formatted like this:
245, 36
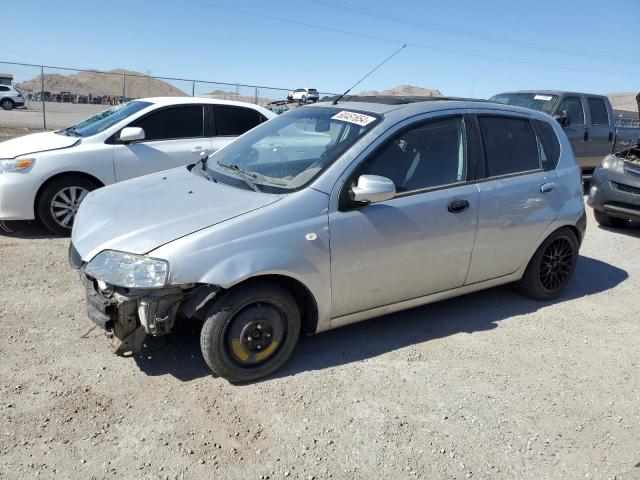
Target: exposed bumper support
128, 315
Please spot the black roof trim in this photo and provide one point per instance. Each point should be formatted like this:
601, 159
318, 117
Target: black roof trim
398, 100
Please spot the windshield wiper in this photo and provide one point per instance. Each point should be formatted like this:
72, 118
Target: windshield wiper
201, 164
72, 131
242, 173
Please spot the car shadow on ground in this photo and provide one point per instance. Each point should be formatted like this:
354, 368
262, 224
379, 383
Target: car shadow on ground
179, 353
27, 229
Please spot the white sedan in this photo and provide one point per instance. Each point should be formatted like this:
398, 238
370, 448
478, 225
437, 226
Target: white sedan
46, 175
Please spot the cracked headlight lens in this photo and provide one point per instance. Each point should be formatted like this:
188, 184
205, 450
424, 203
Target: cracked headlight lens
128, 270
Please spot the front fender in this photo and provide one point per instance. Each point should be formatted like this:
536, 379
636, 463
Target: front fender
289, 238
265, 261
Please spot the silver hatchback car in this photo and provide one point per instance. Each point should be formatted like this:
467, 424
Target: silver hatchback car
331, 214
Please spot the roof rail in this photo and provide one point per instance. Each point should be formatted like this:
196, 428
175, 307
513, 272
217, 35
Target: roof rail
397, 100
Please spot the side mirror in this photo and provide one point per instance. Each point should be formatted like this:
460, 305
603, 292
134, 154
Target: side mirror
563, 118
131, 134
372, 189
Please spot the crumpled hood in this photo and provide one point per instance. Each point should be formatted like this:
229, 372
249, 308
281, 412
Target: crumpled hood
36, 142
142, 214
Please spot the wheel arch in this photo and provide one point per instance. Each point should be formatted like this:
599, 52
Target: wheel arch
546, 234
48, 181
305, 300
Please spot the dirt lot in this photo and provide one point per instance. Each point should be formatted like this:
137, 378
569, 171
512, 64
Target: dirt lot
491, 385
59, 115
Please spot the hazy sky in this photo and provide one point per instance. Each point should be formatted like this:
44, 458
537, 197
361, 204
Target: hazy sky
461, 47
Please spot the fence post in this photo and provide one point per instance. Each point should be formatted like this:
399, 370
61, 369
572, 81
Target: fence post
256, 95
44, 114
124, 85
193, 88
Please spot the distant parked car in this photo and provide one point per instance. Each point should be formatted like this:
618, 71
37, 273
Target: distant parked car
614, 194
304, 95
46, 175
10, 97
615, 187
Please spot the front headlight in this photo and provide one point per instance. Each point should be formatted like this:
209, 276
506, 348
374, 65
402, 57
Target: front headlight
611, 162
13, 165
128, 270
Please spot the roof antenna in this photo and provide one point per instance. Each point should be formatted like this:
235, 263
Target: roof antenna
335, 102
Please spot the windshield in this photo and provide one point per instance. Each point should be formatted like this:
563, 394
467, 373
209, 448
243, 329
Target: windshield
289, 151
104, 119
535, 101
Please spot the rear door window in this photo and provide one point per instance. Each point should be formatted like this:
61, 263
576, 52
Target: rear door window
549, 144
184, 121
234, 121
510, 145
598, 111
573, 105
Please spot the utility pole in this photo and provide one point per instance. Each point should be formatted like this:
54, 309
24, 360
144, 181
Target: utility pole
44, 114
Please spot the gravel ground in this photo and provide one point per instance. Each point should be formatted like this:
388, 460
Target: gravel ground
491, 385
7, 133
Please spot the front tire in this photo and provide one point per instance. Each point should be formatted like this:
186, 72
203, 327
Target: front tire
7, 104
250, 332
608, 221
59, 202
552, 266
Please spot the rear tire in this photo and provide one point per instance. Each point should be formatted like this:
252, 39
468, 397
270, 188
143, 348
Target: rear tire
7, 104
552, 266
59, 202
250, 332
608, 221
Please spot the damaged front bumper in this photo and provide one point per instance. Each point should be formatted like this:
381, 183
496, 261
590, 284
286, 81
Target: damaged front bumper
128, 315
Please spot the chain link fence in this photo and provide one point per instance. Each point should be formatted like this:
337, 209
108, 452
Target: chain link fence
57, 97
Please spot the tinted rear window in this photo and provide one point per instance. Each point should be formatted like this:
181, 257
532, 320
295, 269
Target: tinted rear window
510, 145
173, 122
234, 121
598, 110
550, 146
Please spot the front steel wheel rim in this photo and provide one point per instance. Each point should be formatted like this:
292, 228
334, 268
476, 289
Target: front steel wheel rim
255, 334
557, 263
65, 204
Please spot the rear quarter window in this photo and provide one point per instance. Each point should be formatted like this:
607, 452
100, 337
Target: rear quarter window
598, 111
549, 144
234, 121
510, 145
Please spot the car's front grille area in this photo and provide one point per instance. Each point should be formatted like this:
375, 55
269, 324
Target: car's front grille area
626, 188
632, 169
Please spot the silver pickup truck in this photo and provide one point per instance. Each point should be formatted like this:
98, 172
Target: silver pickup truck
587, 119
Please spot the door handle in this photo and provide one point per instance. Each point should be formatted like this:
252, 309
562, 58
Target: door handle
547, 187
458, 206
586, 135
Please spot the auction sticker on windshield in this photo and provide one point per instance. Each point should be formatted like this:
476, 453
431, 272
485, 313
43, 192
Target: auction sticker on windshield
353, 117
546, 98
